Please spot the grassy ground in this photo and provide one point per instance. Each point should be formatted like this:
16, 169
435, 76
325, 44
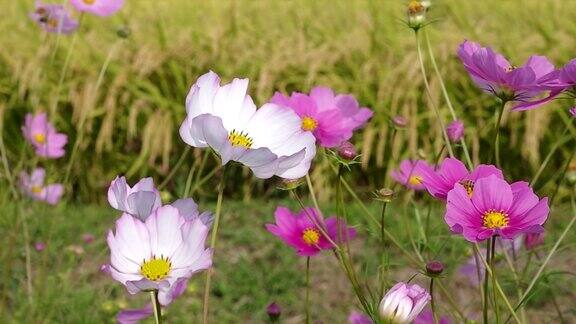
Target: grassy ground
252, 269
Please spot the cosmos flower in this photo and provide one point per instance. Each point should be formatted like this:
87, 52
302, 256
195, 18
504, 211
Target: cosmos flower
157, 254
98, 7
301, 232
331, 118
494, 74
426, 317
533, 240
139, 201
403, 303
268, 140
39, 246
53, 18
455, 131
33, 186
452, 171
409, 174
42, 135
495, 208
358, 318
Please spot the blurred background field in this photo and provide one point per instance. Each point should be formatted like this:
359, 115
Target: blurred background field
360, 47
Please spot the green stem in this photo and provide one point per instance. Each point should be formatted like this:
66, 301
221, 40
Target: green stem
562, 175
213, 238
5, 163
496, 145
156, 306
312, 193
433, 302
493, 268
308, 290
561, 140
486, 277
429, 92
175, 168
447, 97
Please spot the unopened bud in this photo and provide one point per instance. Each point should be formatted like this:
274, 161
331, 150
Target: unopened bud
455, 131
123, 31
399, 121
434, 268
273, 310
385, 194
347, 151
416, 14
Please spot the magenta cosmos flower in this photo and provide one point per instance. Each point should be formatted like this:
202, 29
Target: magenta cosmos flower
53, 18
33, 186
158, 253
331, 118
359, 318
409, 174
494, 74
455, 131
403, 303
267, 140
300, 231
42, 135
495, 208
452, 171
98, 7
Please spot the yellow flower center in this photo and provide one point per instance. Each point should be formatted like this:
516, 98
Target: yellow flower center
240, 139
415, 180
495, 219
309, 124
311, 236
156, 269
89, 2
36, 189
469, 186
41, 138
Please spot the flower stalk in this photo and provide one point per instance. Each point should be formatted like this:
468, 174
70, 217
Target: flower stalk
156, 306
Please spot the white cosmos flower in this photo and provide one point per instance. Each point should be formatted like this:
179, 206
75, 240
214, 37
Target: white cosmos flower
158, 253
269, 140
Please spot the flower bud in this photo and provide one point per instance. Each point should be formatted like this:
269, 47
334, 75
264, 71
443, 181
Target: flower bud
385, 194
400, 121
416, 14
426, 4
403, 303
273, 310
434, 268
39, 246
455, 131
123, 31
347, 151
532, 240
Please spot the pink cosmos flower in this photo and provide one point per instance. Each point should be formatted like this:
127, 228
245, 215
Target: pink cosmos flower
409, 174
359, 318
403, 303
33, 186
331, 118
452, 171
158, 253
268, 140
426, 317
301, 233
98, 7
42, 135
533, 240
139, 201
455, 131
39, 246
494, 74
495, 208
53, 18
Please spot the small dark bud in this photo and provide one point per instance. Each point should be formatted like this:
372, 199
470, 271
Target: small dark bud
347, 151
385, 194
434, 268
273, 310
123, 31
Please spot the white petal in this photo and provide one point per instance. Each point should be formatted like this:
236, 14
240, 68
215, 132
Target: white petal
164, 227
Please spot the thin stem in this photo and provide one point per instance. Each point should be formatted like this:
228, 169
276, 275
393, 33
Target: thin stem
308, 320
312, 193
213, 237
175, 168
446, 97
486, 276
156, 306
496, 145
493, 268
65, 67
561, 140
5, 163
562, 175
432, 301
429, 92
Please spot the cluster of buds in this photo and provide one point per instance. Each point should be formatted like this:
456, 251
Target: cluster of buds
417, 13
